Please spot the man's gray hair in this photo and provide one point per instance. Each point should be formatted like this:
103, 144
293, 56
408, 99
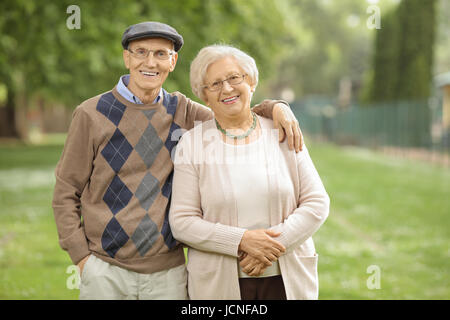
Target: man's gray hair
212, 53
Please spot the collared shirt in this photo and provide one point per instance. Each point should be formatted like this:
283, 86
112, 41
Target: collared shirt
127, 94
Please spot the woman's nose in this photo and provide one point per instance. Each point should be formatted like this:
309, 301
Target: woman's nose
226, 87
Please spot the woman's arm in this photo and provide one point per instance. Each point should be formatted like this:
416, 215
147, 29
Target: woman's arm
313, 205
312, 210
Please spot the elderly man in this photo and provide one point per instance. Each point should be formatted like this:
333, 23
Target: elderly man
114, 178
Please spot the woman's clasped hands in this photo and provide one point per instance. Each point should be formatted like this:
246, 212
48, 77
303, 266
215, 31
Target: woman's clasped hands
258, 250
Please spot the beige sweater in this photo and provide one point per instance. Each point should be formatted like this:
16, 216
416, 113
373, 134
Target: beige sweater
114, 179
203, 213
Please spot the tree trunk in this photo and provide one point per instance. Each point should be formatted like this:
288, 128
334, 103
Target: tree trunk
8, 118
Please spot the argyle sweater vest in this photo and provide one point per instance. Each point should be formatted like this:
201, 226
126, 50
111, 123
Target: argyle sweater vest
113, 181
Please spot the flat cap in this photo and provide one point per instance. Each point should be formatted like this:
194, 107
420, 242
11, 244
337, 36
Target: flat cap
152, 29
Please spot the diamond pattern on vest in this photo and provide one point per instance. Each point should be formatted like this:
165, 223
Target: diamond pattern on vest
118, 195
145, 235
114, 237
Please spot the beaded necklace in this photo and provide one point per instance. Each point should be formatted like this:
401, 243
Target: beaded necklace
242, 136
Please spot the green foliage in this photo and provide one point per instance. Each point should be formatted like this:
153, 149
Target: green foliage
326, 47
41, 57
403, 61
417, 34
385, 60
305, 45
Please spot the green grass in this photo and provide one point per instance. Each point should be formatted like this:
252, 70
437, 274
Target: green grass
32, 265
386, 212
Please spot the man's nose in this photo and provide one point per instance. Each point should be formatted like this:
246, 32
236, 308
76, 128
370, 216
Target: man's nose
150, 60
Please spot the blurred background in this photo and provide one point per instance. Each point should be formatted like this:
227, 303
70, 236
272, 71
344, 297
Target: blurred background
369, 81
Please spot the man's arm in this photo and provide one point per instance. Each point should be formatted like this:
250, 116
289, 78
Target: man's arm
283, 119
72, 173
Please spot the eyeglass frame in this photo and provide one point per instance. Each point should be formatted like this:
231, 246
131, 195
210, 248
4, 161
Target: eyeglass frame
171, 52
227, 80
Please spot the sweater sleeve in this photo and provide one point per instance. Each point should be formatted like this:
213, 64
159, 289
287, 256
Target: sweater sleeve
196, 113
186, 217
313, 205
72, 174
265, 108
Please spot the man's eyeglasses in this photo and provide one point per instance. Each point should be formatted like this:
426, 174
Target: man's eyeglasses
233, 80
160, 54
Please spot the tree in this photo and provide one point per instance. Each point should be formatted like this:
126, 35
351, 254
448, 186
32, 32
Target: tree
403, 60
41, 59
385, 62
415, 56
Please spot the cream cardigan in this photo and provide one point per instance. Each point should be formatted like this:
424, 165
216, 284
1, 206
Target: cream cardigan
203, 213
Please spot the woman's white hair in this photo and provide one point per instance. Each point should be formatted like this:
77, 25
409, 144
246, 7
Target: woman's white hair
212, 53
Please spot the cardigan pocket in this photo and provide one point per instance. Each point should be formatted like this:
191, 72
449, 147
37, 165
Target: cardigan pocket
208, 276
305, 273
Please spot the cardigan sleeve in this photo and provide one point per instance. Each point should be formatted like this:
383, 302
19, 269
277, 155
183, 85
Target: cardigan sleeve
186, 216
312, 206
72, 174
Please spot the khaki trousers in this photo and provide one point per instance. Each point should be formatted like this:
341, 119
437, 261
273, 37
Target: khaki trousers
103, 281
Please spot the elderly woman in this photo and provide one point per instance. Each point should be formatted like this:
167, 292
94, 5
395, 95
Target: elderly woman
244, 204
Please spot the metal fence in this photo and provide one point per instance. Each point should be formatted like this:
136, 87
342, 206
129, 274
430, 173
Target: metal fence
405, 128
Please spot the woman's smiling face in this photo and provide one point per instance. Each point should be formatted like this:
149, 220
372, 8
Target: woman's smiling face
231, 100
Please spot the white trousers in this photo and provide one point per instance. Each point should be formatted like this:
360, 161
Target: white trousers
103, 281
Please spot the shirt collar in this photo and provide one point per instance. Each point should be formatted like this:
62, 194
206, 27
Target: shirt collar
127, 94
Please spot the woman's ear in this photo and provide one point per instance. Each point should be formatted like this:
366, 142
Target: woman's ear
251, 84
205, 100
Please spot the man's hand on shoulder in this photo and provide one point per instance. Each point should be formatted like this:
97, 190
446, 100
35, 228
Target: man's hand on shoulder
284, 120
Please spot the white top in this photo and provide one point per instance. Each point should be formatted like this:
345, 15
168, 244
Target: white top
247, 166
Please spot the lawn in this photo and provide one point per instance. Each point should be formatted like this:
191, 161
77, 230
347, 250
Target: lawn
386, 213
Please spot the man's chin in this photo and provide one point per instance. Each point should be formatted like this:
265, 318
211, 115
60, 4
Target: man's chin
148, 86
147, 83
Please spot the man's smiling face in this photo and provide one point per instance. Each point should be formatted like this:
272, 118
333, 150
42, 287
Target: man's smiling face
148, 74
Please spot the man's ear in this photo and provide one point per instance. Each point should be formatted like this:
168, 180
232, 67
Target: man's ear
173, 61
126, 58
